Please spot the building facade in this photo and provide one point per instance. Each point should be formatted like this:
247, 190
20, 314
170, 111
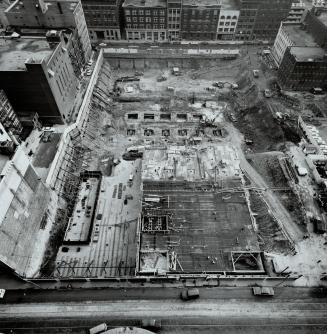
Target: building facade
8, 117
146, 20
103, 19
260, 19
227, 24
200, 19
303, 68
174, 10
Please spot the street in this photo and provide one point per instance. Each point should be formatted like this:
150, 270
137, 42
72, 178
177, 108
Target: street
236, 310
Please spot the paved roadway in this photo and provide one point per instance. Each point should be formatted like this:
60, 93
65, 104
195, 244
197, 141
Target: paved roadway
232, 310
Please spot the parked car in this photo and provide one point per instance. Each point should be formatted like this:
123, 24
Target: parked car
263, 291
151, 324
189, 294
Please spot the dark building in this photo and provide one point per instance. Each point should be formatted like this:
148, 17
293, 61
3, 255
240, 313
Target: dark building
303, 68
200, 19
315, 22
103, 19
146, 20
174, 9
260, 19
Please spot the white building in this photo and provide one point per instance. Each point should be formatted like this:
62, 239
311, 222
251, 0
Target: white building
297, 13
227, 23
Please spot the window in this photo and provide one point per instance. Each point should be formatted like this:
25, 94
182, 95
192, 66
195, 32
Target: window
222, 17
129, 25
155, 19
141, 19
162, 19
134, 12
134, 26
162, 13
134, 19
228, 17
141, 12
155, 26
147, 12
234, 17
162, 26
148, 19
148, 26
155, 12
128, 19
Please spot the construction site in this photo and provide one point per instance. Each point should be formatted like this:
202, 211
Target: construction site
180, 169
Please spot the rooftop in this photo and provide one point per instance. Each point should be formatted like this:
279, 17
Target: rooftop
14, 53
202, 2
229, 4
307, 53
299, 36
145, 3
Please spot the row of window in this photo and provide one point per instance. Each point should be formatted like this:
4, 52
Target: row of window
227, 23
228, 17
147, 12
226, 29
147, 19
146, 26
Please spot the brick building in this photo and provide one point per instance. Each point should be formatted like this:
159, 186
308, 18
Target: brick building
200, 19
260, 19
146, 20
303, 68
103, 19
174, 9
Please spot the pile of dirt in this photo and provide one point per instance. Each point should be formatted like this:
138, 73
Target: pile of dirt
270, 235
258, 124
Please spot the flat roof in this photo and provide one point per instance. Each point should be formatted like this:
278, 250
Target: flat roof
306, 53
201, 2
299, 36
14, 53
229, 4
145, 3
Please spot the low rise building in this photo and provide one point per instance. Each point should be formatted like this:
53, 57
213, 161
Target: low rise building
227, 22
38, 78
103, 19
200, 19
303, 68
291, 35
146, 20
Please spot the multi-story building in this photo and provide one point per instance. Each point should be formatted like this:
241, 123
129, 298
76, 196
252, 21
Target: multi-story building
146, 20
297, 12
227, 22
174, 9
290, 35
316, 23
269, 16
38, 78
103, 19
200, 19
260, 19
303, 68
54, 14
8, 117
